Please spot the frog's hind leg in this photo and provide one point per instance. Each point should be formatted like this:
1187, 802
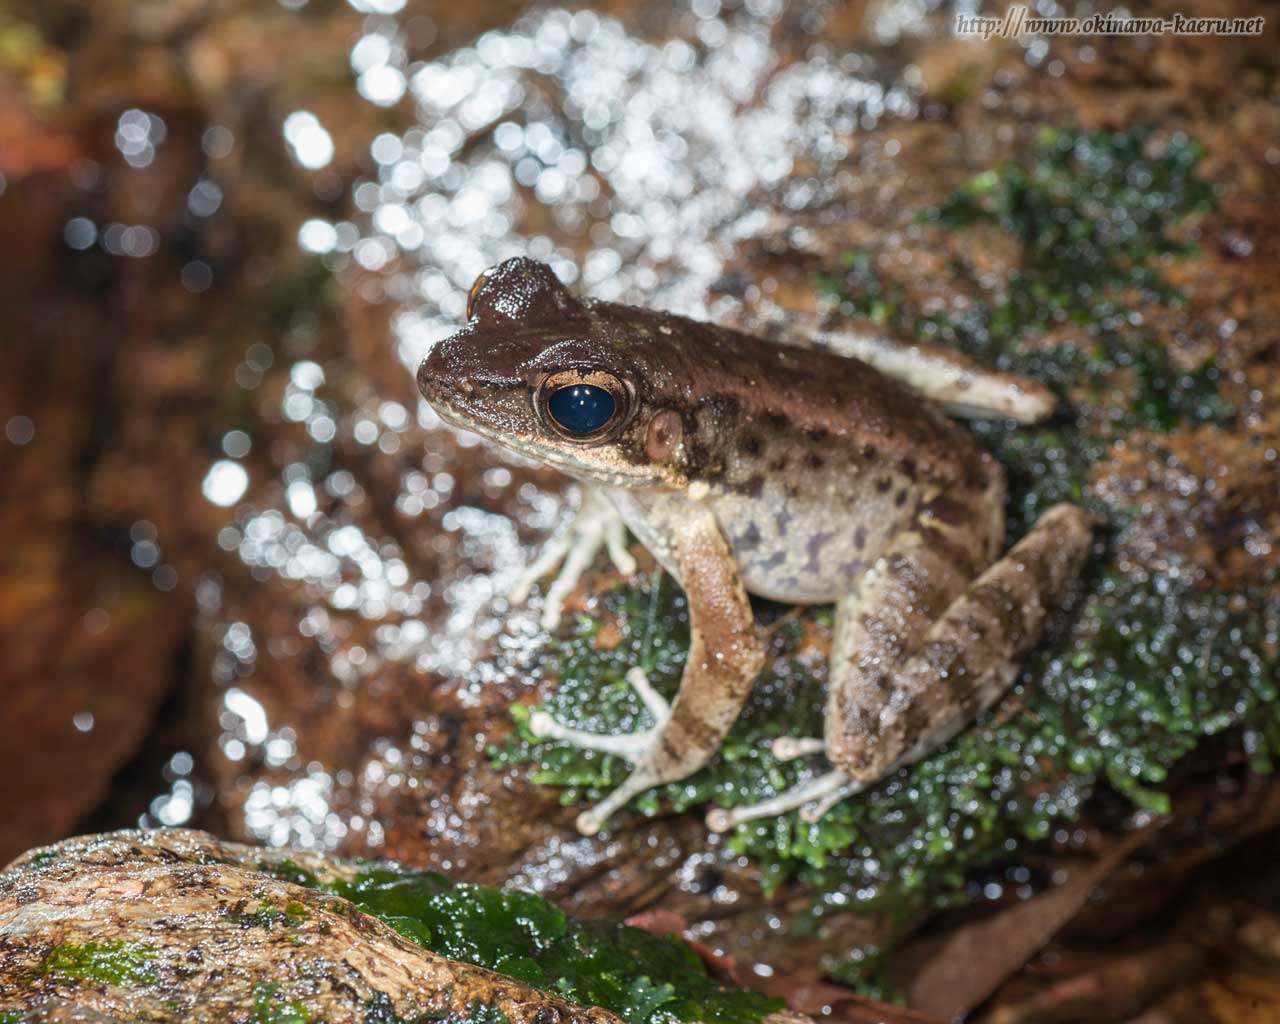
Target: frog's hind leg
963, 386
894, 714
899, 691
631, 747
892, 606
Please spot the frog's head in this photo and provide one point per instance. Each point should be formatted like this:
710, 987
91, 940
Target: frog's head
541, 373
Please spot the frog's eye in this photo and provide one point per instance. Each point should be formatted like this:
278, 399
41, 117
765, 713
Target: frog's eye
582, 405
581, 408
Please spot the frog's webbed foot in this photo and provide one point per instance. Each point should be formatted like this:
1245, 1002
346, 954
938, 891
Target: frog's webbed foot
596, 524
816, 797
633, 748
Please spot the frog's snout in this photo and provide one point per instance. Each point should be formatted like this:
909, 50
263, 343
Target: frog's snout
437, 385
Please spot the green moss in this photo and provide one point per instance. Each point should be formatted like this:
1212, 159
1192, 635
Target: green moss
1150, 666
644, 978
270, 1007
109, 962
12, 1017
1093, 215
288, 871
641, 977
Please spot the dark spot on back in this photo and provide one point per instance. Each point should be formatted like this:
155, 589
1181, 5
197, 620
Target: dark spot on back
883, 485
814, 461
900, 498
816, 433
749, 444
860, 537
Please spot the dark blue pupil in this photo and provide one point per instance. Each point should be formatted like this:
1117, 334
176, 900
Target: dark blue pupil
581, 408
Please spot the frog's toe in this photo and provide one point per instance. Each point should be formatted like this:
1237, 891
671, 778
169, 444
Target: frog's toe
551, 555
632, 747
816, 811
788, 748
615, 537
652, 699
591, 821
817, 796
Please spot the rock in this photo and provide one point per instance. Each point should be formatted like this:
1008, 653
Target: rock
177, 926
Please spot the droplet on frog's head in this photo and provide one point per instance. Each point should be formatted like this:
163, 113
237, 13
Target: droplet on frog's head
581, 408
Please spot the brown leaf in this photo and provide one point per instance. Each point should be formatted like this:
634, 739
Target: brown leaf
976, 958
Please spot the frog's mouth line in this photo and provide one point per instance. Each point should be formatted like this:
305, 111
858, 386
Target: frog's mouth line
536, 447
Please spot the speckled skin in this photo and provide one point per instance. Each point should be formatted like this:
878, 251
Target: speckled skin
792, 473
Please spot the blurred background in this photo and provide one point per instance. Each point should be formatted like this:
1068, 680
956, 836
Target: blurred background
249, 584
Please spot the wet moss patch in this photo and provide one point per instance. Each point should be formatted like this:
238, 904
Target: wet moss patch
109, 962
1094, 216
1148, 668
643, 978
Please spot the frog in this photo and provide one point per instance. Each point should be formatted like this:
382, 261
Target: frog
827, 469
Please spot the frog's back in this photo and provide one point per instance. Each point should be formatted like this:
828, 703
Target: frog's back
813, 462
809, 395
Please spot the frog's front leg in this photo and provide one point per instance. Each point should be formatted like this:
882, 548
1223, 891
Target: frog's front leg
902, 685
724, 658
596, 524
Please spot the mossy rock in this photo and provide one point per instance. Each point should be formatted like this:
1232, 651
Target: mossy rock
230, 932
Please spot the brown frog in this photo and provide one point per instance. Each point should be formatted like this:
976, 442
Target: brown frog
795, 473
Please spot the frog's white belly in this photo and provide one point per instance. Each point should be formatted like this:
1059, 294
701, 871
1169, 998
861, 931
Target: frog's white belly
802, 550
796, 549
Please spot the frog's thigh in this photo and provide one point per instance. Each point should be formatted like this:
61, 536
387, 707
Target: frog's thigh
880, 623
963, 385
884, 714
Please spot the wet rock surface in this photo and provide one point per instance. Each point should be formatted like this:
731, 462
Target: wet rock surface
242, 412
177, 926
